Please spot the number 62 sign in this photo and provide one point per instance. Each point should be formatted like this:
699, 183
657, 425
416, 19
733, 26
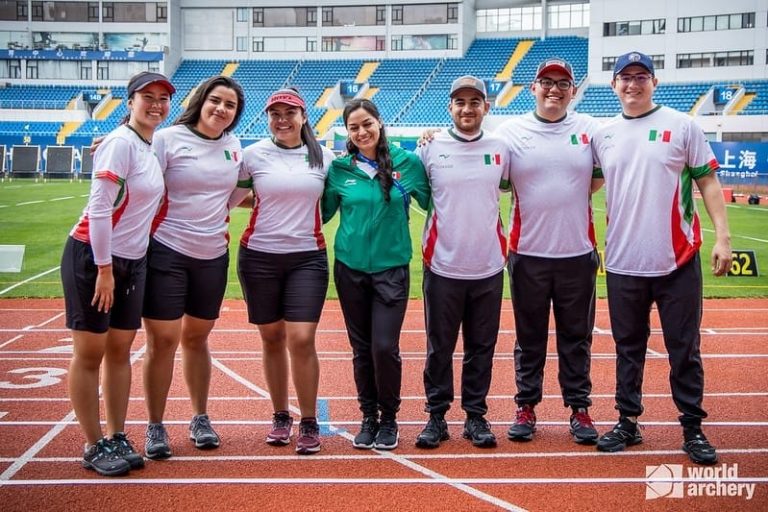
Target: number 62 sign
744, 264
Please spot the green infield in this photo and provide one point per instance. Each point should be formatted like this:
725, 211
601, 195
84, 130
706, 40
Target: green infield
40, 215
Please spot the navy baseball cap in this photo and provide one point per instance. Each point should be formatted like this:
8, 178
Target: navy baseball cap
633, 59
143, 79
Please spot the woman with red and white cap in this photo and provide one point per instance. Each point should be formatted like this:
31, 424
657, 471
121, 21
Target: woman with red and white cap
282, 264
103, 270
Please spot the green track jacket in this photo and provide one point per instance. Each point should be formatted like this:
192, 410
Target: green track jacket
373, 235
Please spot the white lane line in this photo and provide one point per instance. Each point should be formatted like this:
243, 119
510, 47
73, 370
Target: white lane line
596, 396
29, 328
453, 482
416, 423
422, 456
739, 236
29, 202
654, 353
54, 269
61, 198
434, 477
58, 427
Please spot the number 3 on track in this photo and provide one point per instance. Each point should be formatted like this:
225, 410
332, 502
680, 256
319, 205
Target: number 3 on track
41, 378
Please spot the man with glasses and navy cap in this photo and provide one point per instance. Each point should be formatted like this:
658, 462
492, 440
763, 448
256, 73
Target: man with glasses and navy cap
650, 156
552, 255
464, 251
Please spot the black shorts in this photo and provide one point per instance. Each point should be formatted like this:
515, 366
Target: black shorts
78, 277
178, 284
287, 287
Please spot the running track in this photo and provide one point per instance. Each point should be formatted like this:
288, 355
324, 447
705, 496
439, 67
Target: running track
40, 442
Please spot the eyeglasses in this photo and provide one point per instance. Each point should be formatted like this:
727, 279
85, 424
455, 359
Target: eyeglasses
548, 83
640, 79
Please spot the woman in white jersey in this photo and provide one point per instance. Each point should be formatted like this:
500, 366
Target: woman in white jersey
282, 264
103, 270
188, 254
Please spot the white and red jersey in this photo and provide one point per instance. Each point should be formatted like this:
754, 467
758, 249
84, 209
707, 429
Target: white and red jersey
551, 173
126, 189
463, 236
286, 213
200, 175
649, 164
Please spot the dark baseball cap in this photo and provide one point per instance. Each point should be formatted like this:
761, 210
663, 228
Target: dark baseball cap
633, 59
143, 79
555, 64
468, 82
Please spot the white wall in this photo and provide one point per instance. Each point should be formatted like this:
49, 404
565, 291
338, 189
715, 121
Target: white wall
671, 42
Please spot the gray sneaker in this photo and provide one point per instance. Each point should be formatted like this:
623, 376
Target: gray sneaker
104, 459
126, 451
157, 446
202, 433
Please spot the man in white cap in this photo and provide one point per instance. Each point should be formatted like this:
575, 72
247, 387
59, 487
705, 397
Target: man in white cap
650, 156
464, 250
552, 255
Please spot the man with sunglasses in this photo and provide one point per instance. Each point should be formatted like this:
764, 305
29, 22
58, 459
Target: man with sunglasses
552, 256
650, 156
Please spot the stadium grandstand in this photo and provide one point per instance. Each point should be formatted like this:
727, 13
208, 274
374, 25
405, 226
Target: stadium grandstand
64, 64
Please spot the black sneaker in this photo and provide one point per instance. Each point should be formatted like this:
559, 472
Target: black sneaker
157, 446
697, 447
582, 428
366, 438
434, 432
478, 430
202, 433
625, 433
387, 436
103, 458
126, 451
524, 426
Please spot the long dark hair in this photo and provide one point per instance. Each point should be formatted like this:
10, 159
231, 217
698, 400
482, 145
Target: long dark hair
383, 158
191, 115
314, 151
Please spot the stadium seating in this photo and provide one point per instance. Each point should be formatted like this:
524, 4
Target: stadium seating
408, 92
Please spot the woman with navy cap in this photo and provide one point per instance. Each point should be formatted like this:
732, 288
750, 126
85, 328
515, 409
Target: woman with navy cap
103, 269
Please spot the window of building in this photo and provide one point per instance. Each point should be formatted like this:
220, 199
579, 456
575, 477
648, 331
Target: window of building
162, 12
242, 15
716, 22
453, 13
37, 11
634, 27
258, 17
312, 17
381, 14
513, 19
102, 70
381, 43
258, 44
716, 59
93, 11
85, 69
397, 15
32, 71
21, 10
397, 42
107, 11
568, 15
350, 16
14, 68
241, 44
311, 44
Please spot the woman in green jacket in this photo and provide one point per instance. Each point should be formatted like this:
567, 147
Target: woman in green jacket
372, 186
